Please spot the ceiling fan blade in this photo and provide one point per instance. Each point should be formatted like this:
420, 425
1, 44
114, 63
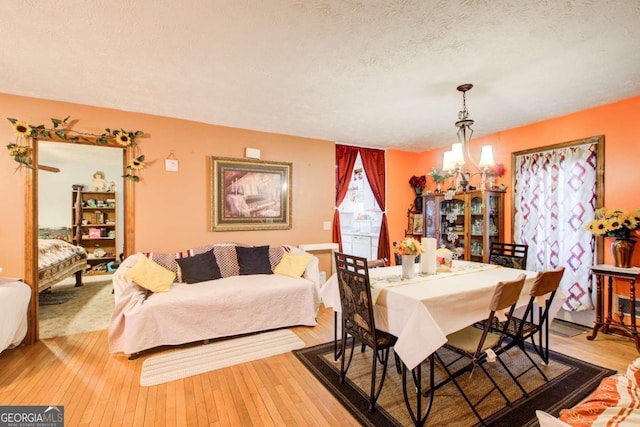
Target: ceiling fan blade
48, 168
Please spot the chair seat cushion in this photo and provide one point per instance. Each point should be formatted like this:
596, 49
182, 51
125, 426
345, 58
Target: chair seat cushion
385, 339
467, 339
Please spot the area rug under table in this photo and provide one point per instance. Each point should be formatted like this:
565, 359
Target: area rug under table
570, 381
174, 365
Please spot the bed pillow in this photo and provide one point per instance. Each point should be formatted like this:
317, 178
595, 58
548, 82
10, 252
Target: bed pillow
547, 420
199, 268
150, 275
253, 260
293, 265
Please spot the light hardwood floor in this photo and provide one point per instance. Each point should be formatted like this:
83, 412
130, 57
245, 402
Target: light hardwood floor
100, 389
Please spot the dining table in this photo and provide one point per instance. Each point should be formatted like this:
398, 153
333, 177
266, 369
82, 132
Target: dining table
423, 310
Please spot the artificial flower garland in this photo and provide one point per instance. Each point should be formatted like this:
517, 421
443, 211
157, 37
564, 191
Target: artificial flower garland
20, 151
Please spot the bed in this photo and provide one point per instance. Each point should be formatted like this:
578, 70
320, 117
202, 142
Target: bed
14, 302
58, 260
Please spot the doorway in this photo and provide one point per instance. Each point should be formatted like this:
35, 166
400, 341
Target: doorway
63, 308
31, 218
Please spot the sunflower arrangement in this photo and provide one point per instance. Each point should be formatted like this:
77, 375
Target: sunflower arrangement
409, 246
59, 129
614, 222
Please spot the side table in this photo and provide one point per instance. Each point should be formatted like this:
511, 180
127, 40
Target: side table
605, 320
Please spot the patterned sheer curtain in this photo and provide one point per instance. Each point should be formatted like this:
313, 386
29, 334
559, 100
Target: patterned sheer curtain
555, 196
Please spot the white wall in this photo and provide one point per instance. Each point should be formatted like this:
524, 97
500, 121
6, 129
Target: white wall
77, 164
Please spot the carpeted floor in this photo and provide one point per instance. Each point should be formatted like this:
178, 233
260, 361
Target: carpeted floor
571, 380
58, 297
89, 309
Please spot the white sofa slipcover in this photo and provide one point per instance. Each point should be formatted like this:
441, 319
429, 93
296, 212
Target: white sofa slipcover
218, 308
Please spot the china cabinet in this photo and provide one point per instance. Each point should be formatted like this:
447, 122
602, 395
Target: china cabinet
465, 223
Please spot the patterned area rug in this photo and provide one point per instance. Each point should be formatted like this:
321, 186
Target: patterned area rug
171, 366
89, 309
570, 381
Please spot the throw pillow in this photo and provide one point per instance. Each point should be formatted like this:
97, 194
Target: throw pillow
253, 260
199, 268
275, 256
150, 275
293, 265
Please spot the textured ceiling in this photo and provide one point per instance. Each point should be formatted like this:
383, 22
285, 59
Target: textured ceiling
371, 73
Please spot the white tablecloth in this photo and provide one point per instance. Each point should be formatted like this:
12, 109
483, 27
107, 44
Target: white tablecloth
422, 311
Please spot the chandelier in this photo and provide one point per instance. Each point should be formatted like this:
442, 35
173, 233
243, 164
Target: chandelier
456, 159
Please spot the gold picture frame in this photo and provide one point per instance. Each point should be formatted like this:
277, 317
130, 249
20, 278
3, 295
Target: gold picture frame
250, 194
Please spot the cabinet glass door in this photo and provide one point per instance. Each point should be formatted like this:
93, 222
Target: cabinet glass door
477, 228
494, 220
430, 217
452, 226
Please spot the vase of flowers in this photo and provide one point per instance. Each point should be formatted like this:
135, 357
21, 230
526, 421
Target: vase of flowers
494, 172
418, 183
619, 224
409, 249
439, 176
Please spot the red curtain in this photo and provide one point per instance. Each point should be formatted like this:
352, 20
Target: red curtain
345, 161
373, 162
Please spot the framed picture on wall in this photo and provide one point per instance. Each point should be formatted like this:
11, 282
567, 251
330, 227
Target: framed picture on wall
250, 194
418, 224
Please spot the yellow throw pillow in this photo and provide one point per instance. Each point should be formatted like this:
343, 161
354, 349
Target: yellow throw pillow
293, 265
150, 275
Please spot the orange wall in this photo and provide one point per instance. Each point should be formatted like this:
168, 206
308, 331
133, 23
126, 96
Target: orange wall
172, 208
622, 153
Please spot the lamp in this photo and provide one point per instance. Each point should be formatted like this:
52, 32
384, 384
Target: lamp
461, 151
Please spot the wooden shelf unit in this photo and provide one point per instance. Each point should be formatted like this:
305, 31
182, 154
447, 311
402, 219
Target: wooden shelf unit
94, 227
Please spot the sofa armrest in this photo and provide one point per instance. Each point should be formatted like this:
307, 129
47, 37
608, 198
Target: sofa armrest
120, 282
312, 272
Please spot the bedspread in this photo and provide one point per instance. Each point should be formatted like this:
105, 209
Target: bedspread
58, 260
14, 301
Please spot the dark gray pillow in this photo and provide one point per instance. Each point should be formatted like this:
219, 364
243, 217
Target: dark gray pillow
199, 268
254, 260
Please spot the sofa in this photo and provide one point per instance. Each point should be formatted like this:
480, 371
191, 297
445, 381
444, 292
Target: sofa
209, 292
615, 402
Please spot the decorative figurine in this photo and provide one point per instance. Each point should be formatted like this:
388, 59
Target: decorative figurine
98, 181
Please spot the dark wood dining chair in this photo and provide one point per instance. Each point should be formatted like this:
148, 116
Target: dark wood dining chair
473, 343
374, 263
510, 255
358, 320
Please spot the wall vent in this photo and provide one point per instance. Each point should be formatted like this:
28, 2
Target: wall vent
625, 303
